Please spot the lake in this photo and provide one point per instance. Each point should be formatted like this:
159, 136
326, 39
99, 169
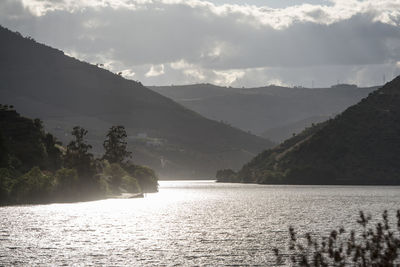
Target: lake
186, 223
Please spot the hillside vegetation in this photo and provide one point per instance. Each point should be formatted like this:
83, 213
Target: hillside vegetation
280, 134
359, 146
36, 168
41, 81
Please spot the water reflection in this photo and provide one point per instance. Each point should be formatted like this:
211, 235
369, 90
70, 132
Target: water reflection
186, 223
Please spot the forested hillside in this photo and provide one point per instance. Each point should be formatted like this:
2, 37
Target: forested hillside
359, 146
41, 81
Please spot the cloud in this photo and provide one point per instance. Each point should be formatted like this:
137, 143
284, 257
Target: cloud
228, 77
386, 11
129, 74
180, 64
155, 71
177, 41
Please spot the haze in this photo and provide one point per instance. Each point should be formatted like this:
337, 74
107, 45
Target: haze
228, 43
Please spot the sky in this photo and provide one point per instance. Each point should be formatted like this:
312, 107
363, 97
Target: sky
245, 43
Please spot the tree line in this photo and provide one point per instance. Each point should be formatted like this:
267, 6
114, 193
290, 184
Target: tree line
36, 168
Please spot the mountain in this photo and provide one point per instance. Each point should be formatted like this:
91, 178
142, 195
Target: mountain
193, 91
259, 110
280, 134
359, 146
41, 81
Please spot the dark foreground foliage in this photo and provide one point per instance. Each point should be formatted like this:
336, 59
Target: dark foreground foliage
377, 245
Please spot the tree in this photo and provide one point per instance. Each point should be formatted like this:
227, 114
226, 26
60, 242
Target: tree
78, 156
4, 154
32, 187
38, 123
115, 145
54, 154
226, 175
6, 181
145, 176
66, 184
119, 179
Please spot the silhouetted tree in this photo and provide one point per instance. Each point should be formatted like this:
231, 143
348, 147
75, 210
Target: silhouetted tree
66, 184
115, 145
38, 124
54, 155
4, 154
78, 156
5, 184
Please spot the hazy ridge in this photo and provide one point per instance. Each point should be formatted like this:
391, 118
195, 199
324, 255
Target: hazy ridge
274, 112
41, 81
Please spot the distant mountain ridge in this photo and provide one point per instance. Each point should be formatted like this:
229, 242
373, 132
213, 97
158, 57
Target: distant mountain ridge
263, 109
360, 146
41, 81
280, 134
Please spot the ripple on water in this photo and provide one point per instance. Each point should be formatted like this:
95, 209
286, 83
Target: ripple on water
186, 223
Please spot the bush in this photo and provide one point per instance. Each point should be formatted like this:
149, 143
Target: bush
226, 175
130, 184
66, 184
374, 246
5, 185
118, 179
145, 176
32, 187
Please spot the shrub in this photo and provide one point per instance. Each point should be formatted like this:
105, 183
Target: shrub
130, 184
226, 175
373, 246
5, 184
118, 179
66, 183
32, 187
145, 176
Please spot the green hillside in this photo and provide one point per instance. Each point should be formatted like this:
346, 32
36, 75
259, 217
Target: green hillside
359, 146
43, 82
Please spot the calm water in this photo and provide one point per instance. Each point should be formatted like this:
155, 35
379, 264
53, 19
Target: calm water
186, 223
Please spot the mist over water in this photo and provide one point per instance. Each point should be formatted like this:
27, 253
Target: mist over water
186, 223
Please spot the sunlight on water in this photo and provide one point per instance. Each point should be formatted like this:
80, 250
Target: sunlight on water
186, 223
